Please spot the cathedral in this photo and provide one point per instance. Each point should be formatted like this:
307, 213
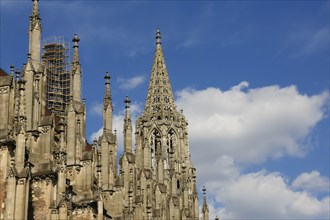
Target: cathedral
48, 170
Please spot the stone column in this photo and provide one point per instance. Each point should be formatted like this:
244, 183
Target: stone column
20, 200
100, 210
11, 195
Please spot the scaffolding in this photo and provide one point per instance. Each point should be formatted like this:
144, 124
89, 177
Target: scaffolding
56, 55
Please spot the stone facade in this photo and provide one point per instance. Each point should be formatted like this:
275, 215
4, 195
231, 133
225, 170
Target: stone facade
48, 170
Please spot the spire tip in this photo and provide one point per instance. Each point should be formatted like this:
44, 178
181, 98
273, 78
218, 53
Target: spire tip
107, 75
158, 36
75, 38
204, 190
127, 102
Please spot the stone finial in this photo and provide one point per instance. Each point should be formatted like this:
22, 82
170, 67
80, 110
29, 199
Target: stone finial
12, 67
107, 77
204, 191
18, 74
35, 10
127, 113
107, 96
158, 37
127, 102
75, 41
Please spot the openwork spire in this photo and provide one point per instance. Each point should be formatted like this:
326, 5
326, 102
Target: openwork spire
160, 101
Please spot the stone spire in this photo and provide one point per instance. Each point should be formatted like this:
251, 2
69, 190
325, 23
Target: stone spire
33, 65
35, 34
76, 71
205, 208
107, 105
127, 127
160, 101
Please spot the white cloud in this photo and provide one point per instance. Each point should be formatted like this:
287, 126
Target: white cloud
241, 127
131, 83
263, 195
263, 122
312, 182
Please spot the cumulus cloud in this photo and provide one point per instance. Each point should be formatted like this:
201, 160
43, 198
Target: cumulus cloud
131, 83
312, 182
262, 122
234, 129
263, 195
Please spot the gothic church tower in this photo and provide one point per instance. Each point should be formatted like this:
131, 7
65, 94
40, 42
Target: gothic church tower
162, 152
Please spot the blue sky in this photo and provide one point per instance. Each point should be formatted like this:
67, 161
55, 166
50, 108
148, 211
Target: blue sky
251, 76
